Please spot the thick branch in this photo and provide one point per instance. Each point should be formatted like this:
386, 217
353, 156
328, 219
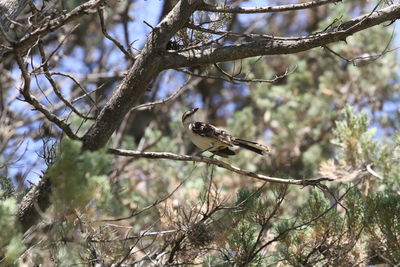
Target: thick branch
268, 9
221, 164
10, 9
146, 67
275, 46
36, 200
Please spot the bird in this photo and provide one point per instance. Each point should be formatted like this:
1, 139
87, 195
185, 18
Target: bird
217, 141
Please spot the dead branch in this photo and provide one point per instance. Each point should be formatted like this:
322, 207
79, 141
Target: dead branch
221, 164
109, 37
28, 97
188, 86
268, 9
54, 85
237, 79
29, 39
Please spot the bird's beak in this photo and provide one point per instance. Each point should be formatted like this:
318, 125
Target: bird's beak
194, 110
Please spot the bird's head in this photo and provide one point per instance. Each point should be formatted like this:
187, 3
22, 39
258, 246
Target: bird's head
188, 115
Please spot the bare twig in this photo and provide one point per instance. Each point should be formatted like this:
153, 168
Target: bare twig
188, 86
86, 93
206, 76
158, 201
54, 85
61, 43
280, 235
268, 9
365, 58
221, 164
208, 43
275, 79
109, 37
56, 23
36, 104
372, 172
136, 236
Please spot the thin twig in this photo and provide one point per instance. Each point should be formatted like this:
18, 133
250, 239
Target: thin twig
364, 59
275, 79
188, 86
210, 42
86, 93
268, 9
61, 43
56, 23
280, 235
158, 201
221, 164
54, 85
36, 104
109, 37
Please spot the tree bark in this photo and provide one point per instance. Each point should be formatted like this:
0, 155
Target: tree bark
10, 9
37, 200
269, 45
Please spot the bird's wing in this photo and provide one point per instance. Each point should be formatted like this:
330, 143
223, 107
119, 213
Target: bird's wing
253, 146
210, 131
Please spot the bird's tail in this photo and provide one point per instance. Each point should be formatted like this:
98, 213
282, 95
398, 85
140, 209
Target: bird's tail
252, 146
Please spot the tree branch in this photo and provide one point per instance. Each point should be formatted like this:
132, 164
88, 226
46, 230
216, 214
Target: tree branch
28, 97
268, 9
30, 38
37, 197
187, 86
221, 164
147, 66
127, 54
275, 46
54, 85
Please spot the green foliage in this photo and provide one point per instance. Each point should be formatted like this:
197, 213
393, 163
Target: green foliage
246, 197
254, 214
323, 235
355, 205
358, 147
6, 187
383, 217
77, 176
354, 138
242, 240
388, 162
10, 234
242, 123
